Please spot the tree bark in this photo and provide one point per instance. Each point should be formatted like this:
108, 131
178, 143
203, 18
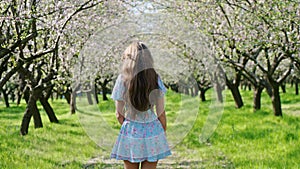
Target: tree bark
67, 95
192, 92
73, 102
186, 90
275, 97
57, 94
219, 90
249, 87
12, 95
233, 85
19, 97
26, 94
283, 88
202, 95
89, 97
21, 88
49, 92
73, 107
25, 121
51, 96
51, 115
236, 95
104, 94
257, 98
31, 110
5, 96
36, 116
96, 94
104, 89
196, 90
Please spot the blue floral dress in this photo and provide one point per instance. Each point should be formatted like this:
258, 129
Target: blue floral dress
142, 137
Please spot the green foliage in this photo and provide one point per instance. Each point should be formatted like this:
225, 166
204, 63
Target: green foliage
243, 139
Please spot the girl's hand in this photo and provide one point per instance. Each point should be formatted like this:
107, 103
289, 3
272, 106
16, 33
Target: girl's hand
160, 111
119, 108
163, 120
120, 117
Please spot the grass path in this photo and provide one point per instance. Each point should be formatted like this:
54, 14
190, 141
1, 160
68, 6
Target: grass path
174, 161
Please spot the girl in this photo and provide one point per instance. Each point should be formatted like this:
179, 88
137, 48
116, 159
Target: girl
137, 93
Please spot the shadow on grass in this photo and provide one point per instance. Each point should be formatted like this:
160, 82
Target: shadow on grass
68, 122
13, 112
262, 112
293, 100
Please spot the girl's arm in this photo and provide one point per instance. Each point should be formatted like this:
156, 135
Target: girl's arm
119, 111
160, 110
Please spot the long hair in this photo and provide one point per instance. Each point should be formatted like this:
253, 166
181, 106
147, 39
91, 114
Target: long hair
139, 75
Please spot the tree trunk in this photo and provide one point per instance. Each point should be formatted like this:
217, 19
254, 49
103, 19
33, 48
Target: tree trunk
192, 92
257, 97
73, 107
283, 88
196, 90
89, 97
26, 94
186, 90
31, 110
5, 96
51, 96
202, 95
12, 95
73, 102
49, 92
249, 87
48, 109
276, 103
21, 88
96, 94
236, 95
104, 89
57, 95
218, 89
25, 121
19, 97
36, 116
174, 87
104, 93
268, 89
67, 95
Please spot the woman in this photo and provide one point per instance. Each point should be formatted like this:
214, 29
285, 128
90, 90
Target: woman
137, 93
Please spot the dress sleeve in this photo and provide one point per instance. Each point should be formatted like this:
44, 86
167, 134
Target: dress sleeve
161, 86
118, 90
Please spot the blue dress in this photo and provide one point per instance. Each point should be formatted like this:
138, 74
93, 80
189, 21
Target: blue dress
141, 137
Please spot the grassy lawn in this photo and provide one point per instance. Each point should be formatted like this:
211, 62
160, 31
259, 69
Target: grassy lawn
242, 139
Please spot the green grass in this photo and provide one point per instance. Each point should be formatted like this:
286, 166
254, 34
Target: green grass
242, 138
63, 145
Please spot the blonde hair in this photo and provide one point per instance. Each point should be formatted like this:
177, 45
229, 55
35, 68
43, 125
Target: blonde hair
139, 75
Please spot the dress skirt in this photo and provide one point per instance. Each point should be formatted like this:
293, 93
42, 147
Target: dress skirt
140, 141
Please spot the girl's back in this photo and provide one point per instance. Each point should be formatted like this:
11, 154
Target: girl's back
139, 96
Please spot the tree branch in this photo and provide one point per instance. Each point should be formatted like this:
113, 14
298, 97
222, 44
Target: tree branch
225, 14
10, 49
284, 75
